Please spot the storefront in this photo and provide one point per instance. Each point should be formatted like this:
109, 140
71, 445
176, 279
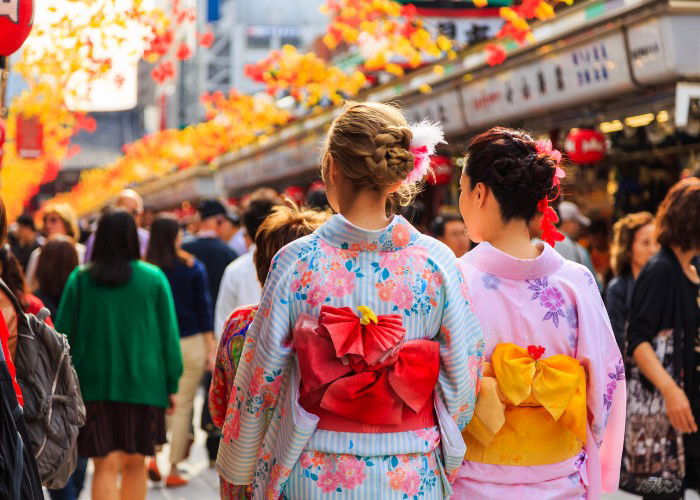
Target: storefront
627, 68
186, 187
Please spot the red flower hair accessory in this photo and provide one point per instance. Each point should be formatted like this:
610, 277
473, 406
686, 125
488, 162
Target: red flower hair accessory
549, 216
426, 135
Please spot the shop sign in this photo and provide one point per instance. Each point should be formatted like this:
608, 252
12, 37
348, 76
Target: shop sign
445, 107
574, 75
651, 61
186, 189
585, 146
294, 157
30, 137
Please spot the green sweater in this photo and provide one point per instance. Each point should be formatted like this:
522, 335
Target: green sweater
124, 340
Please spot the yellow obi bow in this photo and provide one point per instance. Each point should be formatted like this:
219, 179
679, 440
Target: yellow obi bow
530, 411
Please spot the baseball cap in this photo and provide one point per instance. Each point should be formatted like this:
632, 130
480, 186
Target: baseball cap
211, 208
570, 211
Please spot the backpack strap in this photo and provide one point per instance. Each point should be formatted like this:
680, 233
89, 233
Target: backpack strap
4, 339
13, 298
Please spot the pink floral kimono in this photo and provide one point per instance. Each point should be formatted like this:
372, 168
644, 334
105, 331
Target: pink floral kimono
549, 306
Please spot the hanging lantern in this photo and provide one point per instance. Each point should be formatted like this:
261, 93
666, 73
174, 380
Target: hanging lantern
16, 17
296, 193
442, 170
585, 145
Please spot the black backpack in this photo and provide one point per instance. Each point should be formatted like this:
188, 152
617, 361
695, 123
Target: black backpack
19, 478
53, 405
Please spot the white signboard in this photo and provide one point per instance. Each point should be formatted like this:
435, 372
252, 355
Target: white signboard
291, 158
568, 77
662, 49
445, 107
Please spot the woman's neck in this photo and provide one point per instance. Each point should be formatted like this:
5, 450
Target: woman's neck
513, 238
365, 209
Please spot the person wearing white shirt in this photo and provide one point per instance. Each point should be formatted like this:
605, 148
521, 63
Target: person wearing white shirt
239, 285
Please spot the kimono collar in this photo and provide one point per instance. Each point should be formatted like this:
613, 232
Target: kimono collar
341, 233
490, 260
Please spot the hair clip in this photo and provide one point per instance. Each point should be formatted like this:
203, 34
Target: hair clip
426, 135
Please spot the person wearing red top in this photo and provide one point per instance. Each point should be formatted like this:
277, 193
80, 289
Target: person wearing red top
284, 225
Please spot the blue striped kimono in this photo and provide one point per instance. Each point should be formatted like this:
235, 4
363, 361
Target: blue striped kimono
272, 442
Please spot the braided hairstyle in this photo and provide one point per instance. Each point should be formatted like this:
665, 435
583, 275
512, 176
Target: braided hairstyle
369, 142
507, 162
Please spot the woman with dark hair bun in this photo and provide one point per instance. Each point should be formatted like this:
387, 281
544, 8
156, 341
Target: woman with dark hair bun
119, 317
553, 386
662, 447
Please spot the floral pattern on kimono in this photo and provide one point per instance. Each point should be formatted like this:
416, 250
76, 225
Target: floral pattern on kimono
228, 355
550, 302
395, 270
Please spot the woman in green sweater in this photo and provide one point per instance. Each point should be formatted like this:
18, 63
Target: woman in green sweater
119, 317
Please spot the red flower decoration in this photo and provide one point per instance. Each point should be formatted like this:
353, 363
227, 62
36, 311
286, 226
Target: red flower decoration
206, 39
163, 72
495, 54
549, 216
183, 52
535, 351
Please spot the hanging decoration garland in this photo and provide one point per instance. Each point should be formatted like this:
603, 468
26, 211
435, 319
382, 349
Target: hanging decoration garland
390, 37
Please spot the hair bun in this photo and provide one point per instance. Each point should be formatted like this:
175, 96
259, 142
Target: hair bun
392, 157
508, 162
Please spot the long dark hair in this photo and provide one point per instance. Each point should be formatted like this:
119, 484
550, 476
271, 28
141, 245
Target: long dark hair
57, 260
12, 275
162, 247
116, 245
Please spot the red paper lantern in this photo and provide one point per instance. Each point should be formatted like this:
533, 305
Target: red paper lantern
442, 170
585, 145
16, 18
296, 193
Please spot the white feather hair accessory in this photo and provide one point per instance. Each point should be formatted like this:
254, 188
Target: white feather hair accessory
426, 135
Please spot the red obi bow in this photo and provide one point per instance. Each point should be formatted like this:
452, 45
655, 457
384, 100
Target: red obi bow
361, 369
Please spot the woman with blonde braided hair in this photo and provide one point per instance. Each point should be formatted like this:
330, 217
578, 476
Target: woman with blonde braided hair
361, 365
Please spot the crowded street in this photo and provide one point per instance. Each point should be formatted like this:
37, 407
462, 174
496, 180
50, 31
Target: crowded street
349, 249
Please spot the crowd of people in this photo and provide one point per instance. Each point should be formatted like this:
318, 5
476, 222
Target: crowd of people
345, 353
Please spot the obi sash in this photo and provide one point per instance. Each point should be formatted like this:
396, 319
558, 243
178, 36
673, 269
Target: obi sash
358, 374
530, 411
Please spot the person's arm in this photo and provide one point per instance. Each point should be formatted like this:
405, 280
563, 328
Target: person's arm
203, 306
227, 300
651, 294
616, 304
258, 379
606, 396
170, 334
677, 404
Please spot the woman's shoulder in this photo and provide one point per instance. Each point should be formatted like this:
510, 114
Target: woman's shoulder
146, 271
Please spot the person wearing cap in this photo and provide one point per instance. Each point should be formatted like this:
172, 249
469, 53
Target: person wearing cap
239, 285
571, 224
215, 254
132, 202
23, 241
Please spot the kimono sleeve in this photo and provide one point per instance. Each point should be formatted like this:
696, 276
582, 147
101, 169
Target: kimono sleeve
461, 347
259, 377
599, 354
